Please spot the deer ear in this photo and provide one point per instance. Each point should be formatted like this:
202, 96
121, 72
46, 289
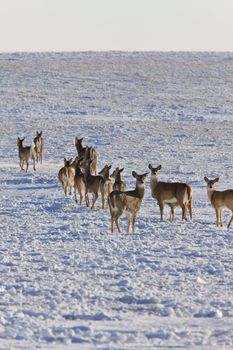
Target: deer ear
64, 160
206, 179
134, 174
120, 170
217, 179
109, 167
159, 167
150, 166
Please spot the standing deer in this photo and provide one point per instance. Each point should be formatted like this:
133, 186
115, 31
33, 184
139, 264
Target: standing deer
92, 183
127, 202
219, 200
66, 175
39, 146
25, 154
105, 184
79, 184
87, 153
119, 184
171, 193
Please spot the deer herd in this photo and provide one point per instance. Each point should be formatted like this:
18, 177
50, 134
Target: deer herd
80, 175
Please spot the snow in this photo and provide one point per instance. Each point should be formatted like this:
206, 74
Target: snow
66, 281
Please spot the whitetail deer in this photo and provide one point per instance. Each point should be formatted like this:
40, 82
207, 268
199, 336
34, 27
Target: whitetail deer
39, 146
127, 202
105, 184
87, 153
90, 154
172, 194
219, 200
119, 184
79, 184
66, 175
25, 154
92, 183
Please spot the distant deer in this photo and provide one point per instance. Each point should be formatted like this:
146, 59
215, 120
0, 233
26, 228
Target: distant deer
127, 202
25, 154
172, 194
39, 146
119, 184
105, 184
219, 200
87, 153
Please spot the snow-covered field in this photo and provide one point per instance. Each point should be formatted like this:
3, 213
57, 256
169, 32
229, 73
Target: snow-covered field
65, 281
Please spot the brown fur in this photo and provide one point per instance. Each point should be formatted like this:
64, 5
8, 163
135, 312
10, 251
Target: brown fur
25, 154
119, 184
39, 146
105, 184
130, 201
171, 194
219, 200
87, 153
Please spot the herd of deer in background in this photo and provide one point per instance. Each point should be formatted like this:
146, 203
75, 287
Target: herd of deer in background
80, 175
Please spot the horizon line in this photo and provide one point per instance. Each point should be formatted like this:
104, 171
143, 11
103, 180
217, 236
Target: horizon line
112, 51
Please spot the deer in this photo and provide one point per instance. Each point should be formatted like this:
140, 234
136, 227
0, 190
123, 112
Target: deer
66, 174
92, 183
39, 146
219, 200
127, 202
87, 153
119, 184
79, 184
25, 154
173, 194
105, 184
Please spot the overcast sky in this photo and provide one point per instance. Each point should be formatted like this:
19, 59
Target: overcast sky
80, 25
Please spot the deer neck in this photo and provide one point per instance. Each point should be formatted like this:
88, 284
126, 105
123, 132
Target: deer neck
118, 178
210, 193
154, 180
140, 190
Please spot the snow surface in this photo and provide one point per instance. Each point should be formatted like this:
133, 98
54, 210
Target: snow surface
66, 282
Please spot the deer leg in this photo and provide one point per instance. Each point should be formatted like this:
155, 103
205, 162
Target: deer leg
184, 211
34, 164
75, 195
229, 224
87, 199
220, 216
94, 199
117, 224
26, 166
217, 216
133, 222
161, 207
20, 164
80, 195
112, 224
190, 210
103, 200
129, 222
172, 213
65, 188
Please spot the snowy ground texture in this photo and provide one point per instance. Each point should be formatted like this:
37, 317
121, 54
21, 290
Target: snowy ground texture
65, 281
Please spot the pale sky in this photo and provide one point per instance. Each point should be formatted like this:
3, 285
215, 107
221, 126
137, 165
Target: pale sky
81, 25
